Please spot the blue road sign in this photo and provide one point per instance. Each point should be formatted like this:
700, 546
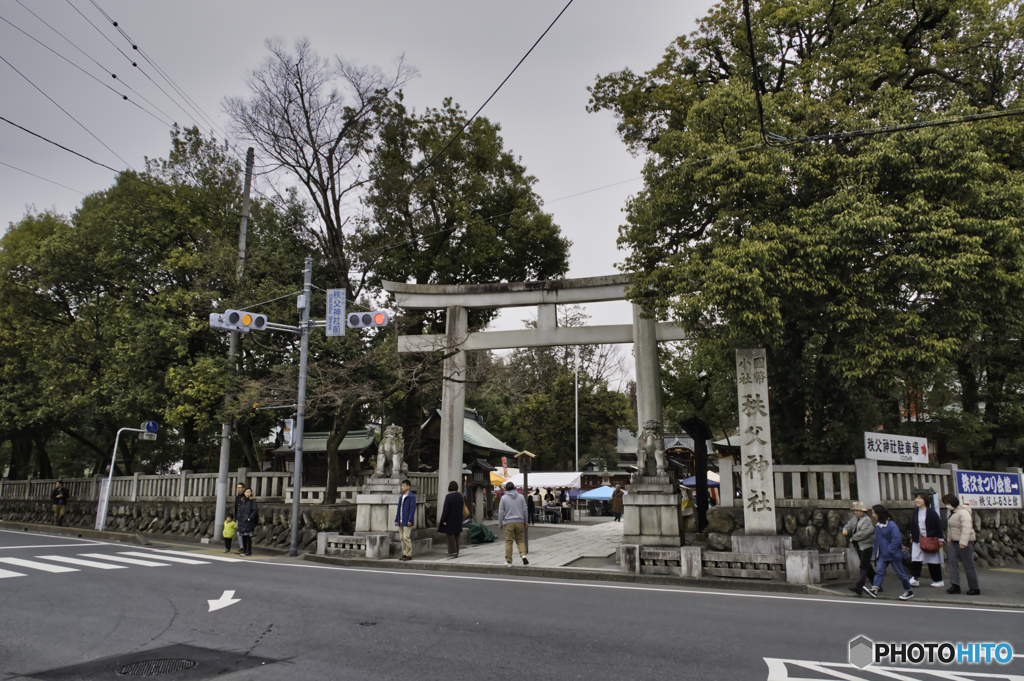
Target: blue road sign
152, 426
336, 312
985, 489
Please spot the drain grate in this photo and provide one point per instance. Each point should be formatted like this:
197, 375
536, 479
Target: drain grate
156, 667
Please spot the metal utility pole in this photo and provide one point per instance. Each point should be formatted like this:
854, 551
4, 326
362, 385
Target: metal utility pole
300, 417
576, 352
225, 430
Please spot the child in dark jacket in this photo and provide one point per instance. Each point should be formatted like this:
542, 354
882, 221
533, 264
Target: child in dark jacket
888, 551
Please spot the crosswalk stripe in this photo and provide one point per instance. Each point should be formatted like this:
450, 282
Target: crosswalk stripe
123, 559
224, 559
4, 574
173, 559
45, 567
84, 563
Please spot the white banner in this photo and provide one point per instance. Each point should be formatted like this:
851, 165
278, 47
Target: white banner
101, 507
902, 448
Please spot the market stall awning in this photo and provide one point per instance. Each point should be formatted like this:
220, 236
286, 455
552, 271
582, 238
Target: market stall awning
549, 480
497, 479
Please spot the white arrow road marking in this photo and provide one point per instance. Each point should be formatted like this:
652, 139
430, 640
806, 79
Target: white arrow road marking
224, 601
45, 567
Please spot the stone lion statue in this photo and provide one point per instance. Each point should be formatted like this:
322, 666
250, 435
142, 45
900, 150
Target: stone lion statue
650, 444
392, 446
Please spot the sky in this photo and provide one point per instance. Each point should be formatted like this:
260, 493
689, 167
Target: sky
461, 49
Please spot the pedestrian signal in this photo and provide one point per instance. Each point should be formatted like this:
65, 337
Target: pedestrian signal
238, 320
367, 320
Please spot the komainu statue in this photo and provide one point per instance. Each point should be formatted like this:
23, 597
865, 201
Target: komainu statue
392, 447
650, 444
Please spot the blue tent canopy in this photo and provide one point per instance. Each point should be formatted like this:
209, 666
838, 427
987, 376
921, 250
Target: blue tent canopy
603, 493
692, 482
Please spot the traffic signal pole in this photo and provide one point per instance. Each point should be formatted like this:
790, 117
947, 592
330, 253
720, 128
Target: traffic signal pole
300, 418
225, 430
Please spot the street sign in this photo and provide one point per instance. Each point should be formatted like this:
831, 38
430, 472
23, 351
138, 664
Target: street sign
985, 489
902, 448
147, 436
336, 312
150, 426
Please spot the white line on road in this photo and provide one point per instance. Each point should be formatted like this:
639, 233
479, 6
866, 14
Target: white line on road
224, 559
84, 563
39, 546
624, 587
4, 574
51, 536
171, 559
122, 559
45, 567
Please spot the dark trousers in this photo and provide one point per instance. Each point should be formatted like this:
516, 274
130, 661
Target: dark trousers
934, 569
453, 544
246, 544
867, 571
966, 558
227, 543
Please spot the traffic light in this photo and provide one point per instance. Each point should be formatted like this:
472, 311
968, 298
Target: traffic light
238, 320
368, 320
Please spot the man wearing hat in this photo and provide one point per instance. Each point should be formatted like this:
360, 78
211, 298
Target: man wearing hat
861, 532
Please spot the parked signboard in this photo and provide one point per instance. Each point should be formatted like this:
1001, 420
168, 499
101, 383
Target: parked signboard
985, 489
902, 448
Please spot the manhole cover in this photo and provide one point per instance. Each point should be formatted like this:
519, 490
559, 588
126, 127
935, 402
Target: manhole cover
155, 667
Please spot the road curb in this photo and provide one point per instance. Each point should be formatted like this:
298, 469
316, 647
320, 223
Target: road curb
77, 533
562, 573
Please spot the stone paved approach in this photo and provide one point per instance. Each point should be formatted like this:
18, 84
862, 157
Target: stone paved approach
571, 542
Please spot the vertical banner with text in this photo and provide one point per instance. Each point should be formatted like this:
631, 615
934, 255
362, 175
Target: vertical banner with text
755, 441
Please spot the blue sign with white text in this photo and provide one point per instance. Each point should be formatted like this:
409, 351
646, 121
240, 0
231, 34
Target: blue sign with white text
984, 489
336, 312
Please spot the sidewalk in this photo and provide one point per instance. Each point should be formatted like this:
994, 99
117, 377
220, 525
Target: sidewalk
999, 587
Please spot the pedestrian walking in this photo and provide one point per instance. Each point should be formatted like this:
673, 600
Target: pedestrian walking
888, 551
961, 546
512, 518
927, 540
531, 508
617, 503
230, 528
248, 516
861, 532
405, 516
59, 496
450, 520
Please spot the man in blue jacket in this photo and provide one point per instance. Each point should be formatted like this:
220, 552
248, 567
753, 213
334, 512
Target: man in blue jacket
405, 516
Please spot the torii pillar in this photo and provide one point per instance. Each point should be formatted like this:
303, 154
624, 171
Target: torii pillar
453, 400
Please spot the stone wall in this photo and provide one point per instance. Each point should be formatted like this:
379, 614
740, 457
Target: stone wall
190, 521
1000, 533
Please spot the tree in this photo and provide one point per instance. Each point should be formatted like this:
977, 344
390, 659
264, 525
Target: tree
867, 267
319, 121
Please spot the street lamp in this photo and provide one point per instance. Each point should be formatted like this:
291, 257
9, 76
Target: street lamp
148, 432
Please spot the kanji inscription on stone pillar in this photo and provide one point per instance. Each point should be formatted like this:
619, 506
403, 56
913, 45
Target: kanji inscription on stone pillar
755, 442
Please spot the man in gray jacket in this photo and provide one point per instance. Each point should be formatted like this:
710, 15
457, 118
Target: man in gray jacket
512, 516
861, 532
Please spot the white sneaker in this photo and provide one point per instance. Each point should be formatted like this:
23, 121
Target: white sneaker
938, 584
914, 582
508, 563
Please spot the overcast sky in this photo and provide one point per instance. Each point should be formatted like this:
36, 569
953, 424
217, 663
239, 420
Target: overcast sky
461, 49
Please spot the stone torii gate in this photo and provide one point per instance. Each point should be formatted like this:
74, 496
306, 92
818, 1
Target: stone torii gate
456, 299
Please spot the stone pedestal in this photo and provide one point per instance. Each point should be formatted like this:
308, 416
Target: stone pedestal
691, 562
802, 567
775, 545
651, 513
377, 505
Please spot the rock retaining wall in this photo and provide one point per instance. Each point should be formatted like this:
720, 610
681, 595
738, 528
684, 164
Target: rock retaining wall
190, 520
1000, 533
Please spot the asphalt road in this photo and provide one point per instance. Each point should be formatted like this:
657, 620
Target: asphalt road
298, 620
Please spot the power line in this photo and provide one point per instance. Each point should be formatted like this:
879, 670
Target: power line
90, 58
66, 112
106, 85
471, 118
20, 170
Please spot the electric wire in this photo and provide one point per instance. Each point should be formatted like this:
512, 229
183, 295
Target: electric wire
90, 58
21, 170
66, 112
471, 118
106, 85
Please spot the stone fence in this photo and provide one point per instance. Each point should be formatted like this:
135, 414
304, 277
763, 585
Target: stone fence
193, 487
837, 486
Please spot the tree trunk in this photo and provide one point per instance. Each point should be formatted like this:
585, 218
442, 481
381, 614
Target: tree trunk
244, 434
411, 426
339, 429
21, 454
43, 459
